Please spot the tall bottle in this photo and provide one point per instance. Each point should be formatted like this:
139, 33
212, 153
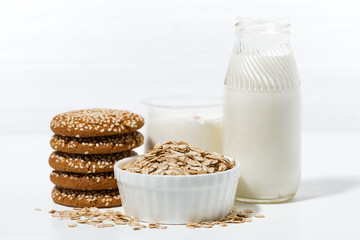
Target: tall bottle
262, 111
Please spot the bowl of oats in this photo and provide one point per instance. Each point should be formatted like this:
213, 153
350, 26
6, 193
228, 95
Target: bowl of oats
176, 183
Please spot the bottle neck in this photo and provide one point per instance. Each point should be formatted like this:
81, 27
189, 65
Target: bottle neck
263, 42
264, 25
262, 33
262, 60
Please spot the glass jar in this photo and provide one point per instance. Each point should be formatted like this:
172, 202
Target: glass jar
262, 111
196, 120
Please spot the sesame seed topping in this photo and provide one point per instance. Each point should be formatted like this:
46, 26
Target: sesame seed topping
105, 122
92, 197
97, 145
76, 176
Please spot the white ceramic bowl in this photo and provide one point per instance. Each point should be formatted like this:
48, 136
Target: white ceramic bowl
176, 199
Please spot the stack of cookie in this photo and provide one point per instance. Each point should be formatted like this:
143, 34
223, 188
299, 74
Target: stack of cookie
87, 143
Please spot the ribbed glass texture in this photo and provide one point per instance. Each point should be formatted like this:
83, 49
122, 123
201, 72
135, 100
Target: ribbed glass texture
262, 59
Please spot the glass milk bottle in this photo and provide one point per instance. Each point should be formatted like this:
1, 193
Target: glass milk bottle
262, 111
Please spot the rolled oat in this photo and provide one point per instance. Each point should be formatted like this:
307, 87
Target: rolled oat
179, 158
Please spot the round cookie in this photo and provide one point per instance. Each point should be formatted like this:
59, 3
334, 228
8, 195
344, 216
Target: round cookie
78, 163
79, 198
78, 181
97, 145
96, 122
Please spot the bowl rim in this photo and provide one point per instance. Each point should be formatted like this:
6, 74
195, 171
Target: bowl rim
125, 160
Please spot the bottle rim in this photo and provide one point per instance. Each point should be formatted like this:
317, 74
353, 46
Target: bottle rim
262, 24
183, 101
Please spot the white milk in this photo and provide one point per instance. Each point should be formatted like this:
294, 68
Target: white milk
263, 132
205, 133
262, 111
195, 119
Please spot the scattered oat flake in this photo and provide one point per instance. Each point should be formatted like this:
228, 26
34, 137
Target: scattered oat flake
234, 217
110, 218
109, 225
161, 227
37, 209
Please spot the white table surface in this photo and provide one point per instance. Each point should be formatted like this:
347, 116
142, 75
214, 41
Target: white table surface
327, 205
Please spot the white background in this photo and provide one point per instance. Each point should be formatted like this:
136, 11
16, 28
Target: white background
57, 56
